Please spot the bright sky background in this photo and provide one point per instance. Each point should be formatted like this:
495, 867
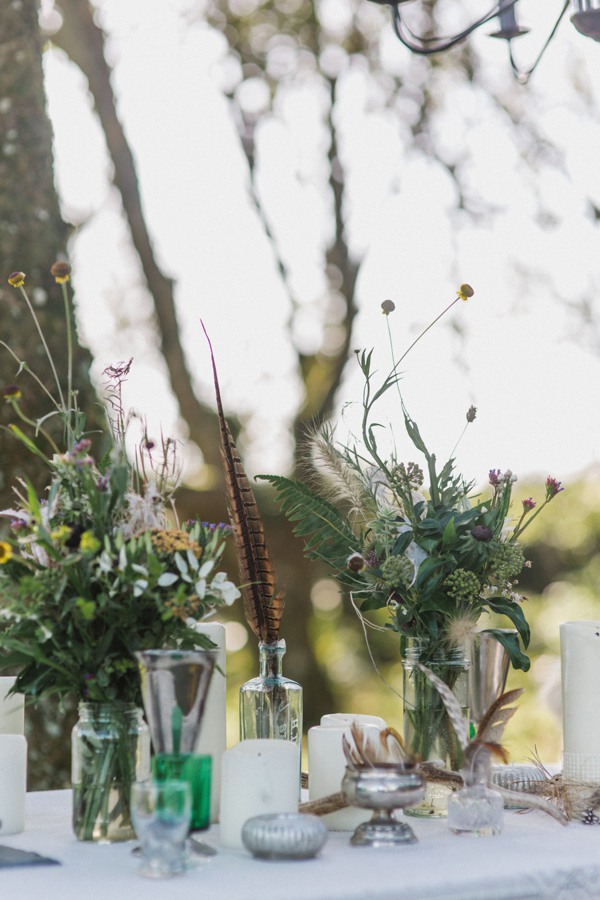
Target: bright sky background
523, 358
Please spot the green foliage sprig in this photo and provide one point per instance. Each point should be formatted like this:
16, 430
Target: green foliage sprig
436, 559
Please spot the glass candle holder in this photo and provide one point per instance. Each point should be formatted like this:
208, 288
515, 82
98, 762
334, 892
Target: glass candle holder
161, 816
476, 810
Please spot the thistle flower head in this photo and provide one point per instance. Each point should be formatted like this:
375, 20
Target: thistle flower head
356, 562
482, 533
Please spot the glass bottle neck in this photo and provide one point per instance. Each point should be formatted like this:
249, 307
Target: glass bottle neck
271, 656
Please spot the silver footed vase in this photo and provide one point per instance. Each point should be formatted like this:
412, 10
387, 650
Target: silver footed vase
175, 684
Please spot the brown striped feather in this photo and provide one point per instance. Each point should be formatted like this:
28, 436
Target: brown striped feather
262, 606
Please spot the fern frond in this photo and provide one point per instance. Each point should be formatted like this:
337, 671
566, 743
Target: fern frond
331, 538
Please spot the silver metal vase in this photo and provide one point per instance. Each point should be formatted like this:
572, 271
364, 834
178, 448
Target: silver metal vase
174, 688
487, 674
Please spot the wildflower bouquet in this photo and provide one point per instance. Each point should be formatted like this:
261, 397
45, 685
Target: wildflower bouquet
94, 570
435, 557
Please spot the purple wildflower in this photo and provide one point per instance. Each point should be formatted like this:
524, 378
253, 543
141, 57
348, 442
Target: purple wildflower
495, 476
553, 487
529, 504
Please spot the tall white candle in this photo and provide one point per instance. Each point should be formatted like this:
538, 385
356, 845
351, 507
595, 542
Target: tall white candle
12, 708
13, 783
580, 660
258, 777
327, 763
212, 740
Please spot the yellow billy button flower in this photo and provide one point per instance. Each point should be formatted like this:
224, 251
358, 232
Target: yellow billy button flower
465, 291
60, 534
5, 552
387, 307
89, 543
61, 271
12, 392
16, 279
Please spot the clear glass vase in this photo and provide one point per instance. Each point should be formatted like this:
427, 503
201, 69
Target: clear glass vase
427, 726
476, 810
110, 751
271, 705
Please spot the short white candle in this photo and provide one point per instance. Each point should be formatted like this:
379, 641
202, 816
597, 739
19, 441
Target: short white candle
12, 708
258, 777
339, 720
580, 659
212, 740
13, 783
327, 763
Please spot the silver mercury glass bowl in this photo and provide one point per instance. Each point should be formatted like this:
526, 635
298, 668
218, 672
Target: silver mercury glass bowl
383, 789
284, 836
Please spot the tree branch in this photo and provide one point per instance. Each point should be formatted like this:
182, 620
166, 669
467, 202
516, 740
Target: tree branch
83, 41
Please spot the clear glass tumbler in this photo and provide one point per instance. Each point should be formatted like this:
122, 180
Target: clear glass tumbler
161, 814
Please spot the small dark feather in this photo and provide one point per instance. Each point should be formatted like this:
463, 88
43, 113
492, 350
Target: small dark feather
262, 607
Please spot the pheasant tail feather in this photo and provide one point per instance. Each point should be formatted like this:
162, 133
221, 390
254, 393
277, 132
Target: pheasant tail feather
453, 709
262, 606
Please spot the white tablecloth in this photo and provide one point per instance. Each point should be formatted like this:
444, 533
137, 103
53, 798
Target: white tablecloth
533, 858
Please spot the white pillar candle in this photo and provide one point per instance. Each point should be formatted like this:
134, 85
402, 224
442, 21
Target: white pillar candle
258, 777
12, 708
327, 764
580, 662
212, 739
13, 783
339, 720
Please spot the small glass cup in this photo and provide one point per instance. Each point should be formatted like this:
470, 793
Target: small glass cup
161, 815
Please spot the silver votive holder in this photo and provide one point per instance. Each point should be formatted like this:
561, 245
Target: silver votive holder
284, 836
383, 789
520, 778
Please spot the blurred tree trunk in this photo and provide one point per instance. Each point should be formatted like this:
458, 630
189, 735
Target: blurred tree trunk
32, 236
83, 41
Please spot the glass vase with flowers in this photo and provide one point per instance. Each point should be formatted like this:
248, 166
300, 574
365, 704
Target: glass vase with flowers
94, 571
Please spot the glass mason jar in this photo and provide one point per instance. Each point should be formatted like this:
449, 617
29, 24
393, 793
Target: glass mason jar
110, 751
428, 730
271, 705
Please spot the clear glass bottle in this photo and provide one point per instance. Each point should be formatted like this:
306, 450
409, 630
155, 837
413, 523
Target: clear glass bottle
476, 810
110, 751
271, 705
428, 730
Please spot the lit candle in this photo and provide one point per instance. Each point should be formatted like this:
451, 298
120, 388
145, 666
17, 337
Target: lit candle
13, 783
580, 661
12, 708
212, 739
327, 763
258, 777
